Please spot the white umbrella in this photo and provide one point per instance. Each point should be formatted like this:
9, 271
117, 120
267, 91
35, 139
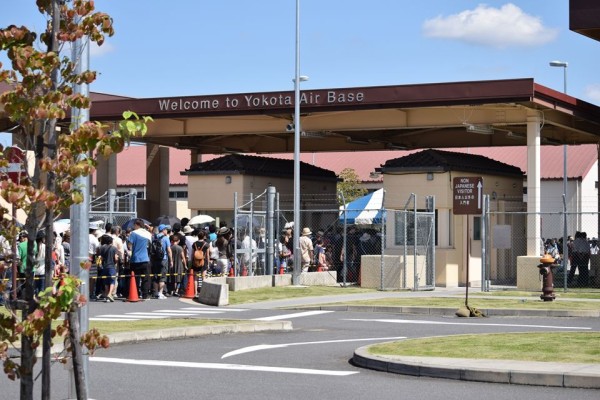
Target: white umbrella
201, 219
61, 226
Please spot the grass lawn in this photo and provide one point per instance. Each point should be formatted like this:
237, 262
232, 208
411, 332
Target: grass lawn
287, 292
108, 327
570, 347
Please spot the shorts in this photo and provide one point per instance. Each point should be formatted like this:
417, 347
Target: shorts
109, 275
159, 271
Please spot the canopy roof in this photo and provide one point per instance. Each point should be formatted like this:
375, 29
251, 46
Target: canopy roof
433, 115
365, 210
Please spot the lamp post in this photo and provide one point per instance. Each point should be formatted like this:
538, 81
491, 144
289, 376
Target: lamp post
564, 66
297, 130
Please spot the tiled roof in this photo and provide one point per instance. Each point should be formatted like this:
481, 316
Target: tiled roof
261, 166
448, 161
131, 166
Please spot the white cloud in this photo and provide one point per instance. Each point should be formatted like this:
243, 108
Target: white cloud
593, 92
502, 27
99, 51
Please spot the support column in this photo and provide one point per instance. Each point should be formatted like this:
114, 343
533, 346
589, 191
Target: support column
106, 174
157, 181
528, 276
533, 186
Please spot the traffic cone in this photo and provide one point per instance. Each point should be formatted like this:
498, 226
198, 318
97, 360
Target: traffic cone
133, 290
281, 269
244, 271
231, 272
319, 268
189, 289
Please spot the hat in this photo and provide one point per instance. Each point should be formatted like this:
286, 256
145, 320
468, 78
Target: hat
547, 258
95, 225
320, 232
162, 227
40, 235
223, 231
365, 237
306, 232
187, 229
23, 234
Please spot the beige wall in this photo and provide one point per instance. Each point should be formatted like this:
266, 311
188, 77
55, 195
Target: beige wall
211, 192
451, 250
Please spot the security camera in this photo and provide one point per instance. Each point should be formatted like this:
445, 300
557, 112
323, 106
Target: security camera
289, 127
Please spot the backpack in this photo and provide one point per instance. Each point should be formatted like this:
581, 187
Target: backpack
156, 249
198, 260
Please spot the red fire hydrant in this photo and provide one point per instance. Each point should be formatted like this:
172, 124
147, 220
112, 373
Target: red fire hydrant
547, 271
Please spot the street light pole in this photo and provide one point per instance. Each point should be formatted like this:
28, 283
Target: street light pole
564, 66
296, 229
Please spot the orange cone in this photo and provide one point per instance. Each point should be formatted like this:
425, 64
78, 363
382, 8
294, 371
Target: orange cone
319, 268
244, 271
231, 272
281, 269
133, 290
189, 289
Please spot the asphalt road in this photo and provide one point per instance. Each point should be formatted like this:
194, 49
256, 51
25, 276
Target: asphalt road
310, 362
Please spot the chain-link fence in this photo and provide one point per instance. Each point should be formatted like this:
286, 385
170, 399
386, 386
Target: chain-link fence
395, 251
114, 209
507, 241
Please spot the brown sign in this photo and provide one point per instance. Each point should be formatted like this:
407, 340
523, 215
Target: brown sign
467, 194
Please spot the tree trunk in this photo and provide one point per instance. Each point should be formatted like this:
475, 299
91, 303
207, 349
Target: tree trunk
50, 139
27, 352
77, 356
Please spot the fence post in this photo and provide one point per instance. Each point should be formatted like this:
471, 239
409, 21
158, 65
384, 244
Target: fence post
484, 250
382, 274
133, 201
270, 234
345, 245
235, 232
112, 196
415, 231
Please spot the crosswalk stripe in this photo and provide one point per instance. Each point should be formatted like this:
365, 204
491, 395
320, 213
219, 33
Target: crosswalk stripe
113, 319
190, 311
164, 314
133, 315
219, 309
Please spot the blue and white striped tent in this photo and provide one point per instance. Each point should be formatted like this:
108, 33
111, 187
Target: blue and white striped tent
365, 210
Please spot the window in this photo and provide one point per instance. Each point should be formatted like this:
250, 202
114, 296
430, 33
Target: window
424, 224
476, 228
178, 194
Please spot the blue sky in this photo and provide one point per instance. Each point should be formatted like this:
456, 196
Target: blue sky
196, 47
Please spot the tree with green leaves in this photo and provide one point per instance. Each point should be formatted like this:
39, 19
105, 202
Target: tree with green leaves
38, 102
349, 186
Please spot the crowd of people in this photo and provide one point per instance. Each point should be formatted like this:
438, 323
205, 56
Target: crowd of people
163, 258
580, 248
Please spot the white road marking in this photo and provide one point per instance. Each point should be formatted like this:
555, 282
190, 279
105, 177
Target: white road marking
113, 319
123, 316
408, 321
278, 346
164, 314
288, 316
219, 309
189, 311
227, 367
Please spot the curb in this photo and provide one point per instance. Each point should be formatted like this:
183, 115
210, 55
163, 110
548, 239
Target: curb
497, 371
189, 332
444, 311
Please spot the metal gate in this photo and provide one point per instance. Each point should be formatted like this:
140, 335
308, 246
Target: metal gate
114, 209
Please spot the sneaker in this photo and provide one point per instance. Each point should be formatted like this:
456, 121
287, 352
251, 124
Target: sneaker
111, 299
161, 296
